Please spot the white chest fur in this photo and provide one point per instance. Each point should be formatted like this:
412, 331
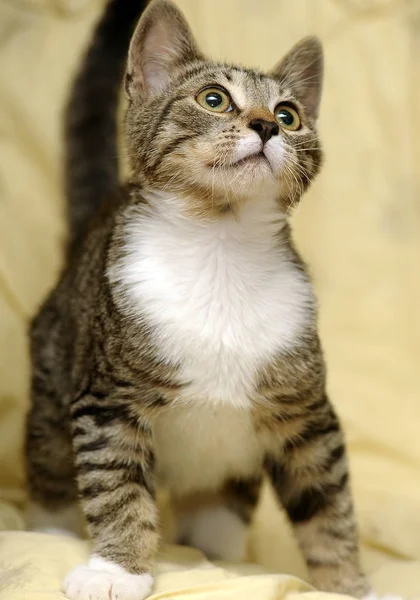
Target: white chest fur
199, 446
222, 297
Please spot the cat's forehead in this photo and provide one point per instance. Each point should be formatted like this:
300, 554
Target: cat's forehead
248, 88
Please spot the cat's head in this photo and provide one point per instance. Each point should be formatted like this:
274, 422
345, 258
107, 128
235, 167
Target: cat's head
214, 135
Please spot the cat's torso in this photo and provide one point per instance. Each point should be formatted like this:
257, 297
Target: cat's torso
221, 300
199, 446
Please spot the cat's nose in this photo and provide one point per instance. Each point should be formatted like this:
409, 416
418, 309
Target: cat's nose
265, 129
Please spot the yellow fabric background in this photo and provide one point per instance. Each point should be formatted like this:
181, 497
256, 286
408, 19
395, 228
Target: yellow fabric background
359, 228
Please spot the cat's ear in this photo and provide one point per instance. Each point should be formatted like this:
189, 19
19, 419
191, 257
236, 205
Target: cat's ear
161, 42
302, 71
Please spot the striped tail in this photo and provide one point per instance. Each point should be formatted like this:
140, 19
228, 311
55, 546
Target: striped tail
91, 161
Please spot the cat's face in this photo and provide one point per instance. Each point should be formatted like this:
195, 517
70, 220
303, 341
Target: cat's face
215, 135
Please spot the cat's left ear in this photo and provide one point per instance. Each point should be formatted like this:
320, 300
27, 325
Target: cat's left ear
161, 42
302, 71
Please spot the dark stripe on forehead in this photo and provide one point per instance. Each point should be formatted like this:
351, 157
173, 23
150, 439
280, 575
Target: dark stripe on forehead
254, 84
267, 86
214, 71
258, 86
234, 69
256, 77
193, 71
211, 76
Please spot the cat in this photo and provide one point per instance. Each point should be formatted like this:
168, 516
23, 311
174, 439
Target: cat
179, 348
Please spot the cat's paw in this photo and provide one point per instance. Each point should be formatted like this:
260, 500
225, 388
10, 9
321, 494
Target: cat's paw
104, 580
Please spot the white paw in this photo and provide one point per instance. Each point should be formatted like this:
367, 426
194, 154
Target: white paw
375, 596
104, 580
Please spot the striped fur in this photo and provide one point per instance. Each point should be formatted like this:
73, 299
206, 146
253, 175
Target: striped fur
180, 348
91, 163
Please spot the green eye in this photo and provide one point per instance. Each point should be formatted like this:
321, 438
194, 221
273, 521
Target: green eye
215, 99
287, 116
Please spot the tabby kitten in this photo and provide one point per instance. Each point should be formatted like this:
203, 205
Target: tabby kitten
180, 347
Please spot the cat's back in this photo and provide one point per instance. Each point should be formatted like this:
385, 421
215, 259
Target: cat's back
63, 324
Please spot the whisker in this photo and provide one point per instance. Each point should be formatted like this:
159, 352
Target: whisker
306, 149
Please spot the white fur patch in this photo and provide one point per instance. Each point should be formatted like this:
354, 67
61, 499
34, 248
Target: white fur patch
247, 146
101, 579
200, 446
275, 153
222, 298
218, 532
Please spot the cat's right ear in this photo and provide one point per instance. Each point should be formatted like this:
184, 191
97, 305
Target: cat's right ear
161, 42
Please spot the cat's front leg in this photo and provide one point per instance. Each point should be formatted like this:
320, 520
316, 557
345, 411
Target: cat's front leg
310, 476
114, 460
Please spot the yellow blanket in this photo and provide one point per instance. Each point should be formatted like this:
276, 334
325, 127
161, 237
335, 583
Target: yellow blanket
359, 229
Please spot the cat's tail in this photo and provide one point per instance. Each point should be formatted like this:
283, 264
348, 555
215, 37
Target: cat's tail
91, 160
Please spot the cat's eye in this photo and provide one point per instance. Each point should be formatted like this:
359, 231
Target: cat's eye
287, 116
215, 99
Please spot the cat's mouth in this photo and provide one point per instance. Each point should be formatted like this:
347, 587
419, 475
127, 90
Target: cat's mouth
251, 159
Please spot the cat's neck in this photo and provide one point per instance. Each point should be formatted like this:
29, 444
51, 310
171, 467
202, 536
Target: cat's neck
261, 216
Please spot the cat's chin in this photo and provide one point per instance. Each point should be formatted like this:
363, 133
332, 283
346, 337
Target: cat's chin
244, 177
255, 174
251, 163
